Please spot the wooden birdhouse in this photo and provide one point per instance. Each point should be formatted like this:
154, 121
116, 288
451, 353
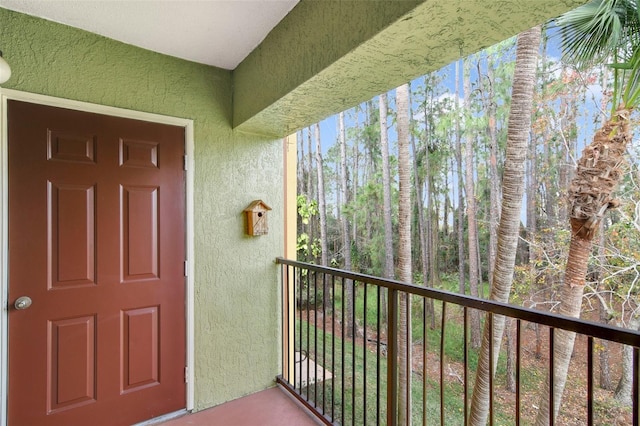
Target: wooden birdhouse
256, 214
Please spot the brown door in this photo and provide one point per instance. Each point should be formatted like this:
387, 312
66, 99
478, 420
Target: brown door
96, 241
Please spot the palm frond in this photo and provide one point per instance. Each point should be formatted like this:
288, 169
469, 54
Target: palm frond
598, 29
631, 95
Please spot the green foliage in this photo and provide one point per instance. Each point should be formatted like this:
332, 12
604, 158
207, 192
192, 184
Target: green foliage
306, 208
307, 248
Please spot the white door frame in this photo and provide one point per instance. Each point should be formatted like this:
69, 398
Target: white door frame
8, 94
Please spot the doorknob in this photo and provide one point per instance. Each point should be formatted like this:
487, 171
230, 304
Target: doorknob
22, 302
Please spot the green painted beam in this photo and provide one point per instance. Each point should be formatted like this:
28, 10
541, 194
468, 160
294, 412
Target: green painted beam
327, 56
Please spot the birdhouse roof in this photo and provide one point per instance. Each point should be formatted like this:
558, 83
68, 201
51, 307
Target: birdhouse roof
257, 204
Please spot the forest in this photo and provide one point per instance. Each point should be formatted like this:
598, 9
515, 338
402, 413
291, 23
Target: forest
511, 174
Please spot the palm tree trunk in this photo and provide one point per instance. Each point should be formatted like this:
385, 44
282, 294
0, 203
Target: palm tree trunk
404, 256
509, 227
386, 190
590, 195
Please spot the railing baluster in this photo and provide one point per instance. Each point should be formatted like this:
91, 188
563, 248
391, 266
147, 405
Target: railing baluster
333, 346
465, 347
324, 340
342, 375
353, 352
442, 335
392, 358
364, 358
551, 375
491, 370
299, 309
308, 332
518, 357
424, 361
589, 381
283, 315
408, 356
315, 338
378, 338
636, 386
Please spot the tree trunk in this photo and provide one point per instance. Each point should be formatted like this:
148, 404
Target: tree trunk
494, 178
460, 211
389, 267
322, 210
511, 372
590, 196
472, 225
310, 164
509, 228
346, 237
404, 256
604, 315
624, 391
424, 223
300, 169
386, 190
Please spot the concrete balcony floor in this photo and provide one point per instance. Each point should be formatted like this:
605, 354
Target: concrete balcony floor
271, 407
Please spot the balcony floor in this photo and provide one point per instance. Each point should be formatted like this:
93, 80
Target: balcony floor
271, 407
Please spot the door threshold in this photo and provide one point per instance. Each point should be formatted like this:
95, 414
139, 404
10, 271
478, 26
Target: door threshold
163, 418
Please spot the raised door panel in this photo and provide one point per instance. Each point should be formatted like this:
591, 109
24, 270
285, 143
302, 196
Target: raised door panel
71, 239
140, 350
71, 363
140, 232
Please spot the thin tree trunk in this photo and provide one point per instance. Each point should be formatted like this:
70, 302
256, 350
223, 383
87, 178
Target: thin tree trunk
511, 372
494, 178
460, 211
424, 229
389, 268
472, 226
604, 315
404, 256
322, 210
386, 190
509, 227
310, 164
354, 191
624, 391
346, 237
300, 169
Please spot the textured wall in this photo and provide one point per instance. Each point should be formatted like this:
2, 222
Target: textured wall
235, 281
340, 53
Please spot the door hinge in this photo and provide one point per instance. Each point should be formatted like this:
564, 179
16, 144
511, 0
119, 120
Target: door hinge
186, 268
185, 162
186, 374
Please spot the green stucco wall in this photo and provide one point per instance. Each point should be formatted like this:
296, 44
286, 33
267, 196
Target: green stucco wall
236, 286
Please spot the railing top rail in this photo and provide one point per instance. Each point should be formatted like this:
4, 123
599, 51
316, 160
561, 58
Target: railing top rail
590, 328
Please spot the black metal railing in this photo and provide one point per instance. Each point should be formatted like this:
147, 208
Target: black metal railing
342, 335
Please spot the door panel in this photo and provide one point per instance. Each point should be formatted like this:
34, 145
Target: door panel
71, 215
72, 362
140, 232
96, 240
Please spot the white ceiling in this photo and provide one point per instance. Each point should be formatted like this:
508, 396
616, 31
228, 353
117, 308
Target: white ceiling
214, 32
